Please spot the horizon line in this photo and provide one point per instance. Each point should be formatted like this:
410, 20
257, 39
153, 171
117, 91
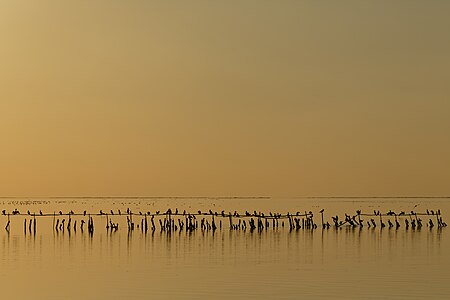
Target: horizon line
223, 197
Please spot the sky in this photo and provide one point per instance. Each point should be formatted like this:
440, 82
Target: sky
224, 98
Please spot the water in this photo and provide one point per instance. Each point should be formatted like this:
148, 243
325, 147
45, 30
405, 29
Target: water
367, 263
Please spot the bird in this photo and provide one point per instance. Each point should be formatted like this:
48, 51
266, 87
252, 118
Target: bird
40, 212
322, 210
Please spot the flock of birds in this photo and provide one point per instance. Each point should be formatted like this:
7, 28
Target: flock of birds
207, 220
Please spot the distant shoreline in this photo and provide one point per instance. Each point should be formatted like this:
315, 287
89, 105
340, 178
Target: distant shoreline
224, 197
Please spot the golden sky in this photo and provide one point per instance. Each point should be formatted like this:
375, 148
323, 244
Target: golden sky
221, 98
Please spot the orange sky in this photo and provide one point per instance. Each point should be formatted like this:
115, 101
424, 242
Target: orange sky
235, 98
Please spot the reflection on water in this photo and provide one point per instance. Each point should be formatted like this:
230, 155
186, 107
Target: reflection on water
275, 263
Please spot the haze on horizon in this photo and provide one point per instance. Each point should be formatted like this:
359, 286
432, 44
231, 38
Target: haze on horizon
291, 98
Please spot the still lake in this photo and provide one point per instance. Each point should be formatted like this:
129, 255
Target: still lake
352, 263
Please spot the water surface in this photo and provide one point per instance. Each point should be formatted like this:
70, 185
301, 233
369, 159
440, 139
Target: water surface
355, 263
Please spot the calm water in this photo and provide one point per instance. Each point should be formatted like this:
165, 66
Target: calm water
367, 263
